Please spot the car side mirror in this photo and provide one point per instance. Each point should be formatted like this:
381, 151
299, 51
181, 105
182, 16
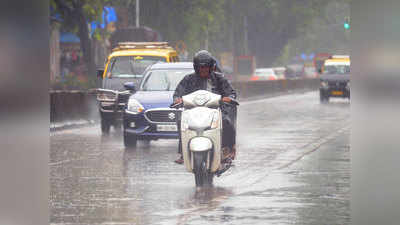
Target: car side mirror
100, 72
130, 86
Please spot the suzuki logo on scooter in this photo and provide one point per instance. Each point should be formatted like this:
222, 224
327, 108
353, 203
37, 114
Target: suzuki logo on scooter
171, 116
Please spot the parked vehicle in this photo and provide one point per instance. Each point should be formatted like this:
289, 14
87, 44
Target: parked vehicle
264, 74
310, 72
294, 71
147, 115
126, 63
280, 72
201, 133
335, 79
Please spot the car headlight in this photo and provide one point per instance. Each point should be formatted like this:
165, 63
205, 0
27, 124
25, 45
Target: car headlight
106, 96
324, 84
215, 120
134, 106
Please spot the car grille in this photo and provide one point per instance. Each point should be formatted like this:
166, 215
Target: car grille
337, 84
112, 107
161, 116
123, 98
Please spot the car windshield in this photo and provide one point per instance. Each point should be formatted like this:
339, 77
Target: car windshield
131, 66
337, 69
164, 80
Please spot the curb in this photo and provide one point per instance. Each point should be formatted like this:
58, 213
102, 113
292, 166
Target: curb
71, 125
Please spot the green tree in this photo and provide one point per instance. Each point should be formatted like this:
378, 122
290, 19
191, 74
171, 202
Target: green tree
76, 14
201, 23
271, 23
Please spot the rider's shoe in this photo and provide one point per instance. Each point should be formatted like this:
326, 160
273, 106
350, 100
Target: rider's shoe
227, 154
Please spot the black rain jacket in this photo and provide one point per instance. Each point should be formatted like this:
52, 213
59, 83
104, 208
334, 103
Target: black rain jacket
193, 82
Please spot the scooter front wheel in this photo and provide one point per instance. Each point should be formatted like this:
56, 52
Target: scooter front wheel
201, 175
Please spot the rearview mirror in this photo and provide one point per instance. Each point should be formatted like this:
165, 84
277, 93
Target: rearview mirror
130, 86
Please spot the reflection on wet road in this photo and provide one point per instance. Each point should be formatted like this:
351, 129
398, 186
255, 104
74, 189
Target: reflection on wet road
292, 167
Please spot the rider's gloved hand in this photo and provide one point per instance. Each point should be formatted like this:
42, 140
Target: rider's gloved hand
178, 101
226, 99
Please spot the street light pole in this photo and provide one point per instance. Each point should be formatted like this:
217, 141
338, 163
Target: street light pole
246, 47
137, 13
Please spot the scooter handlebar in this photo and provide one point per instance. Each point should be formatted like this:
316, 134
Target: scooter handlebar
177, 105
180, 105
232, 102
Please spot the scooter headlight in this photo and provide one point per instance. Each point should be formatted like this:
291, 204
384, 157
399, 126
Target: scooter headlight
215, 121
324, 84
134, 106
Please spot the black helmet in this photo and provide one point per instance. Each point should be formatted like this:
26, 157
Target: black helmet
203, 58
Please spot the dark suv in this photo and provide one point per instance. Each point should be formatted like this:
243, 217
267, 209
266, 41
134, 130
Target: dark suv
335, 80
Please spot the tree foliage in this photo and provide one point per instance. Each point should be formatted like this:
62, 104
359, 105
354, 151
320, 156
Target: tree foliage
75, 15
216, 23
271, 23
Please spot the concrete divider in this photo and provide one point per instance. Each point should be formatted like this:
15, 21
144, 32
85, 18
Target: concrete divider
82, 105
73, 106
261, 88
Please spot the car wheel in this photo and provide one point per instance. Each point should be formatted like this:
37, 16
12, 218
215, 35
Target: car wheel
105, 127
130, 140
118, 127
323, 98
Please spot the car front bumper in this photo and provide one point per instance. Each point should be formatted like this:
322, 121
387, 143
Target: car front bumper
138, 125
111, 111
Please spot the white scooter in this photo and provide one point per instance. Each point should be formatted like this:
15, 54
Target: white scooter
201, 136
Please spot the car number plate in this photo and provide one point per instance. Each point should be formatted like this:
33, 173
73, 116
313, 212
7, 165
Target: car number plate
337, 92
167, 128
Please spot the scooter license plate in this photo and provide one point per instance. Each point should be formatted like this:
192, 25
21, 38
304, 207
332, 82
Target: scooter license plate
167, 127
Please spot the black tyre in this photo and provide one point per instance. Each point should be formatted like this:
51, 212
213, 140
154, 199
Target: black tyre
201, 175
118, 127
130, 140
323, 98
105, 127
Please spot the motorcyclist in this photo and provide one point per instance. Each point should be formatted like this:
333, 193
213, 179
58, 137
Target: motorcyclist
207, 78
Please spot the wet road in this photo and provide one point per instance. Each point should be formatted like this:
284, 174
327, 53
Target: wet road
293, 167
